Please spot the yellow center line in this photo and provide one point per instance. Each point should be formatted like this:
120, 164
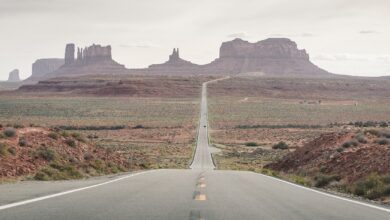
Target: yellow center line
201, 185
200, 197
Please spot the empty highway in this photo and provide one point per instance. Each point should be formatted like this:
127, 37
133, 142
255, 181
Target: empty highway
197, 193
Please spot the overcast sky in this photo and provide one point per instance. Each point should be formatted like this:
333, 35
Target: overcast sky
341, 36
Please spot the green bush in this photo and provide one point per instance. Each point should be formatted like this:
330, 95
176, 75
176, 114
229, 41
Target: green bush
78, 137
3, 150
360, 138
346, 145
9, 132
45, 153
324, 180
383, 124
53, 135
58, 172
70, 142
372, 187
65, 134
301, 180
374, 132
88, 156
386, 135
22, 142
383, 141
281, 145
12, 150
386, 179
251, 144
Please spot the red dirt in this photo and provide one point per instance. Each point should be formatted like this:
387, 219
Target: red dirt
23, 161
321, 155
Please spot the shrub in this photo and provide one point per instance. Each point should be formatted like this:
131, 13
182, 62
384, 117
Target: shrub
374, 132
354, 142
9, 132
70, 142
3, 150
386, 190
138, 127
58, 172
18, 126
360, 138
12, 150
65, 134
46, 153
372, 187
340, 149
88, 156
281, 145
383, 141
369, 124
22, 142
386, 135
346, 145
386, 179
78, 137
69, 127
323, 180
42, 176
301, 180
53, 135
251, 144
383, 124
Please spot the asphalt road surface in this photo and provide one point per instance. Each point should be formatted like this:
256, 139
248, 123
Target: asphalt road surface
198, 193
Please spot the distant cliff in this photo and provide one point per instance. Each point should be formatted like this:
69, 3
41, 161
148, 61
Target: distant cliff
42, 67
277, 57
95, 59
273, 56
14, 76
174, 64
270, 57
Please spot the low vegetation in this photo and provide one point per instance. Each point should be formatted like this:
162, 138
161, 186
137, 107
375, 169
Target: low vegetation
22, 142
373, 186
3, 150
9, 132
281, 145
45, 153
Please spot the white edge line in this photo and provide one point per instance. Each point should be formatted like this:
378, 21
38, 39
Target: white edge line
24, 202
327, 194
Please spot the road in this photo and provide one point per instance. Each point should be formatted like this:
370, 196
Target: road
197, 193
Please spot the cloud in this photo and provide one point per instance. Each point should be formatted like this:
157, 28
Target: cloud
367, 32
238, 35
140, 44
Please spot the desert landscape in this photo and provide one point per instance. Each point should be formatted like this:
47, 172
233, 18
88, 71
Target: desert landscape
328, 133
153, 118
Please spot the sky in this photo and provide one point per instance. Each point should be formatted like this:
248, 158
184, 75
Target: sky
342, 36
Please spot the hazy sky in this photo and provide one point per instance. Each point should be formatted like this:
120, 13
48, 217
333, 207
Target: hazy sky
341, 36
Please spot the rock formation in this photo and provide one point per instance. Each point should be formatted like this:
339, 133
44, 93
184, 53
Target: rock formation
273, 56
69, 54
42, 67
95, 59
270, 57
14, 76
174, 64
